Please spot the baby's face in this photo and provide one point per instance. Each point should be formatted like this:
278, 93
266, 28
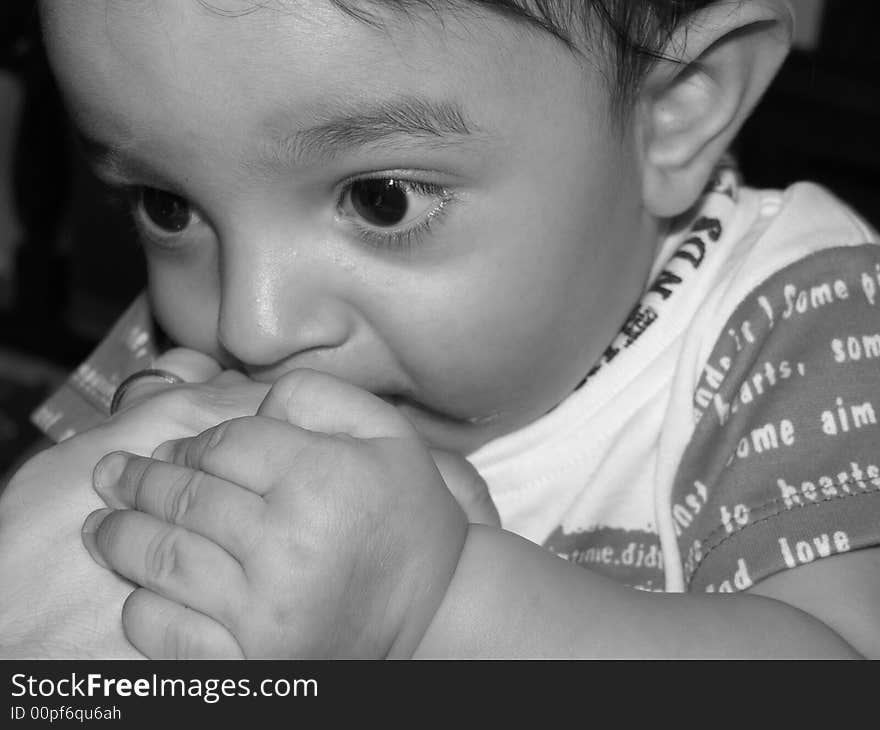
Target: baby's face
440, 213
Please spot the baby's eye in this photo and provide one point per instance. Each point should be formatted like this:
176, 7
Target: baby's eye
391, 211
380, 202
165, 213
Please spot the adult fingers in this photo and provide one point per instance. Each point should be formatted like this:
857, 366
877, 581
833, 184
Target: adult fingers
190, 366
202, 503
185, 410
162, 629
320, 402
169, 560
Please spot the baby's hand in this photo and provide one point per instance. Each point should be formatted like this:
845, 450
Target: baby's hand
331, 534
468, 487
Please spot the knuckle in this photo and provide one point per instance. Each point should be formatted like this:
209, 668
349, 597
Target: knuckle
247, 535
183, 495
201, 451
162, 557
138, 481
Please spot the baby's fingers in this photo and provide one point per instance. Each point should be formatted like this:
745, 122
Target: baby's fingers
254, 452
202, 503
169, 560
320, 402
163, 629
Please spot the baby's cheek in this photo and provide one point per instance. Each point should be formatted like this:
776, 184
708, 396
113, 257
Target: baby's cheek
186, 309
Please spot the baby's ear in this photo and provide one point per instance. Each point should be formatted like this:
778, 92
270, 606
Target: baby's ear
689, 110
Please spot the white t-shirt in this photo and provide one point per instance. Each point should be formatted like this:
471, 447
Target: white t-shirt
642, 474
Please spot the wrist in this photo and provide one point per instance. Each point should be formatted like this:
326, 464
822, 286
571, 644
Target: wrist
432, 586
462, 605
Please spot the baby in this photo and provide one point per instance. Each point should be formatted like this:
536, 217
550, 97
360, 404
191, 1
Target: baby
505, 231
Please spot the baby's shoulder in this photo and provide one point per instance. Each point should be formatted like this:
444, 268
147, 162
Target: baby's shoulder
785, 230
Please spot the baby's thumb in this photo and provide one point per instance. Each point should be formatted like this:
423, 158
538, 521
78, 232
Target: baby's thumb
468, 487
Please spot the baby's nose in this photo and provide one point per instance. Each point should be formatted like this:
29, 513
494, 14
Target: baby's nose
277, 306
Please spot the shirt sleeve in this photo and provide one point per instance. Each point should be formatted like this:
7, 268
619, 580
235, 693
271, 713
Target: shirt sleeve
783, 467
83, 401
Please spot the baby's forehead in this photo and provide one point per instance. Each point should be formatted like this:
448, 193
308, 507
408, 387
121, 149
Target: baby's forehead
171, 73
341, 35
255, 23
470, 21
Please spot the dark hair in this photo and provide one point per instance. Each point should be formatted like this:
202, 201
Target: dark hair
631, 34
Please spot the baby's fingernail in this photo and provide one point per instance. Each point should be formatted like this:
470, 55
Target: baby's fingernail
94, 520
89, 528
108, 470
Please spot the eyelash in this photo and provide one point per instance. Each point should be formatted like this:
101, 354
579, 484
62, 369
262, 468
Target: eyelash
403, 239
395, 240
126, 198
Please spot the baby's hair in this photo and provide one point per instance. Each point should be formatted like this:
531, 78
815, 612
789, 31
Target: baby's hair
631, 33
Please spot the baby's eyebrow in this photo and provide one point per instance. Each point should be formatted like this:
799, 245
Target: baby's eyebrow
436, 124
115, 161
439, 124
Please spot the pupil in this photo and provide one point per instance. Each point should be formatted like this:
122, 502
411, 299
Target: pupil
381, 202
167, 211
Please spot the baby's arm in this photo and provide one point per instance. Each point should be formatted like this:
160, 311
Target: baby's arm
506, 588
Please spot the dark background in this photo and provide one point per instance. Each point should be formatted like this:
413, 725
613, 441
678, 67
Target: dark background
76, 264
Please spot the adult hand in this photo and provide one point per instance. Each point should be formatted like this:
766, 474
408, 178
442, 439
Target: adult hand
54, 601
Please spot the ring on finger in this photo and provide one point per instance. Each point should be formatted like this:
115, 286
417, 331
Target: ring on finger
163, 376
